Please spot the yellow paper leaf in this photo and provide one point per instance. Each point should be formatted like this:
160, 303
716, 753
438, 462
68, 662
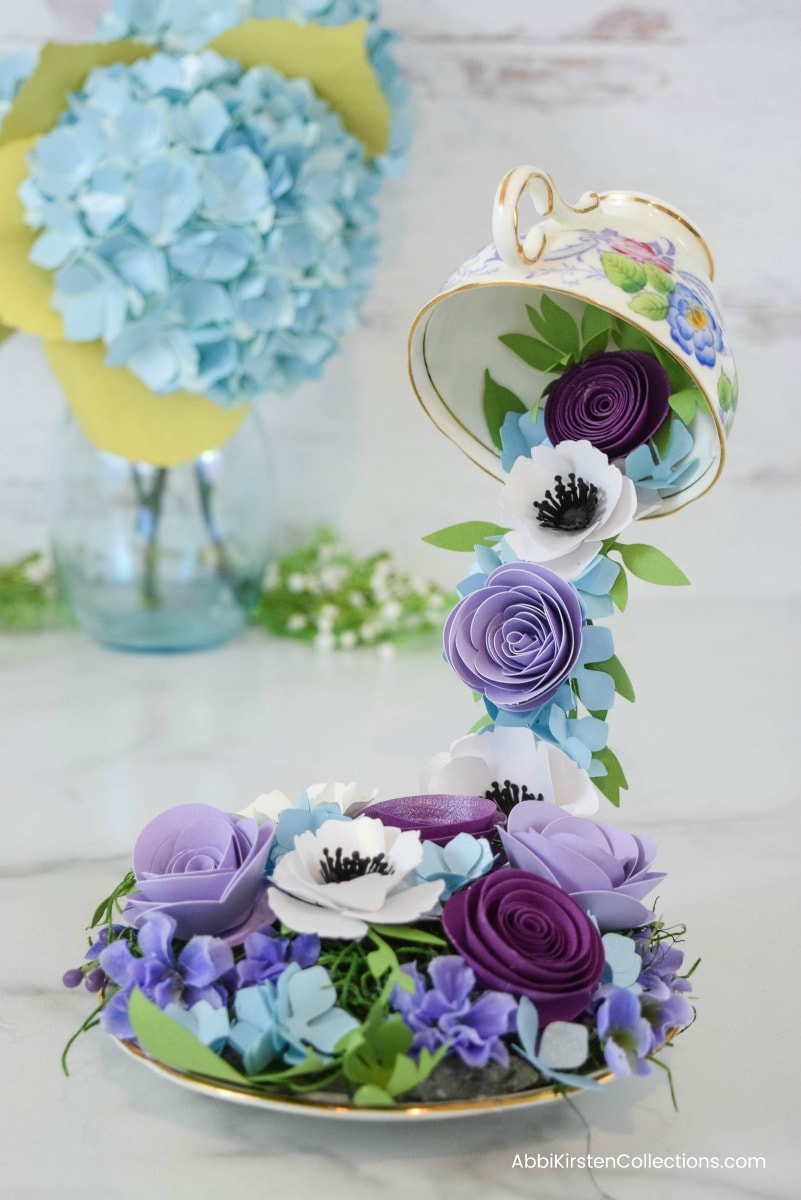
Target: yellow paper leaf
60, 70
333, 59
25, 290
119, 414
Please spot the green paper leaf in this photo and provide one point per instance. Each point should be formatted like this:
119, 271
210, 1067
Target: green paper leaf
169, 1043
407, 1073
382, 959
655, 308
562, 330
623, 272
370, 1096
409, 933
614, 667
596, 345
680, 380
465, 536
661, 439
373, 1049
619, 591
629, 337
685, 403
498, 401
594, 321
5, 333
658, 279
650, 564
614, 781
725, 392
539, 322
535, 353
311, 1065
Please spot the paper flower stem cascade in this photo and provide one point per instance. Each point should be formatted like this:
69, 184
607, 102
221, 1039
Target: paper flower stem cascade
581, 466
189, 231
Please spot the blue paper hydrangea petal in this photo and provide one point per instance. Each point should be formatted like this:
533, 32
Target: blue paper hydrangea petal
672, 469
188, 25
623, 963
458, 863
567, 1044
209, 1025
520, 433
214, 227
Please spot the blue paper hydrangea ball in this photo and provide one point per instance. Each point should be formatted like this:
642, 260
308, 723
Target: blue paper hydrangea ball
214, 227
188, 25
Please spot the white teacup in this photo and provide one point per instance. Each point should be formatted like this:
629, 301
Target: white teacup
629, 254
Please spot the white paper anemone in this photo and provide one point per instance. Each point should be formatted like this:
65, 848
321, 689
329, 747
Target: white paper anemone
349, 798
511, 764
563, 502
348, 875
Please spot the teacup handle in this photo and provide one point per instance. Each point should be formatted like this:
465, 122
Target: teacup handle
547, 202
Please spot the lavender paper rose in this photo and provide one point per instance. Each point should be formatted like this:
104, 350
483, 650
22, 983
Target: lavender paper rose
440, 818
516, 639
203, 868
525, 936
604, 869
616, 400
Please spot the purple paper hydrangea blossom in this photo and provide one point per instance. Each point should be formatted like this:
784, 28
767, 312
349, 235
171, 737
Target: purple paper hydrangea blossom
267, 955
664, 992
523, 935
203, 868
517, 639
605, 870
197, 972
616, 400
624, 1033
445, 1012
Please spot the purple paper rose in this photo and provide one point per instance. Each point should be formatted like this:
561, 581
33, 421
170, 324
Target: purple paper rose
203, 868
617, 400
516, 639
604, 869
525, 936
440, 818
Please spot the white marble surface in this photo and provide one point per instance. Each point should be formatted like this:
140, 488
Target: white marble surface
696, 103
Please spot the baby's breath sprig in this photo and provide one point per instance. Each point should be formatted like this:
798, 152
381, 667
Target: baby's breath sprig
29, 598
323, 594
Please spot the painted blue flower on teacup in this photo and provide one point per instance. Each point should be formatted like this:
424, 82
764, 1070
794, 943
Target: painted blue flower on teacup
557, 1053
187, 25
693, 325
213, 226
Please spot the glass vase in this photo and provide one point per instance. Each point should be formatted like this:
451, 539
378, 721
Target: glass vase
162, 559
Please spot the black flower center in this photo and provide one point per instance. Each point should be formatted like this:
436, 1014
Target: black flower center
509, 795
341, 868
569, 507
